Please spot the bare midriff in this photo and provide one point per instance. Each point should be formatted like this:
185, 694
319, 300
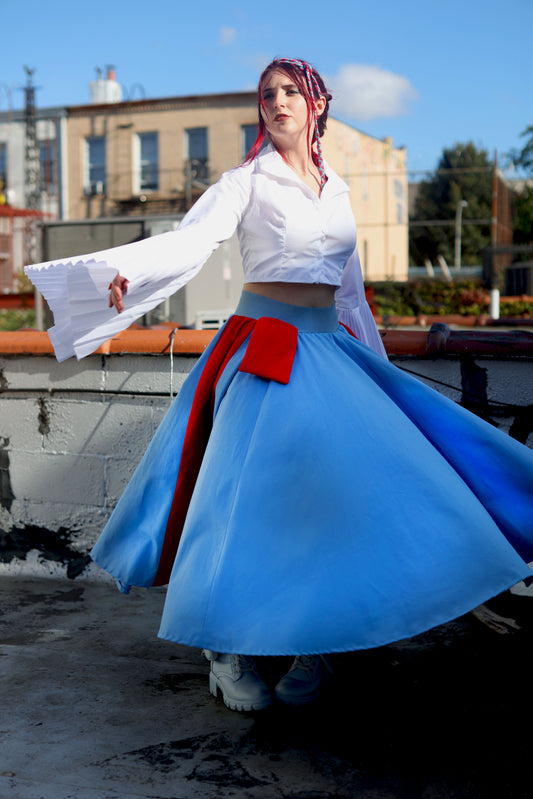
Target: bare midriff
310, 295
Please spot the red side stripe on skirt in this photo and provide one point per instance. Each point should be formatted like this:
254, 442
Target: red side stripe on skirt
270, 354
350, 331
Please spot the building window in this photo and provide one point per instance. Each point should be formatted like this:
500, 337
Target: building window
95, 165
48, 166
3, 168
248, 137
196, 166
399, 213
147, 154
399, 194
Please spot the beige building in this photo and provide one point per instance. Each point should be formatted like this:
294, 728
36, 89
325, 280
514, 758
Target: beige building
377, 175
157, 156
153, 156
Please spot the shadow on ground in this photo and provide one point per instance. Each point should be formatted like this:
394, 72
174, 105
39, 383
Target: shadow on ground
95, 706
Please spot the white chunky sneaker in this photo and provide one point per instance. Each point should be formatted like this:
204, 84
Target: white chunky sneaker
236, 677
302, 683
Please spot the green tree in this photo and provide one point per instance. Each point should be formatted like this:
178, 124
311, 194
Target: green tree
524, 157
463, 173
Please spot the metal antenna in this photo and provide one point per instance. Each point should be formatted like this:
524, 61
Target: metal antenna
32, 162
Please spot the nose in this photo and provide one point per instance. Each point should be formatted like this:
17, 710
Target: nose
278, 99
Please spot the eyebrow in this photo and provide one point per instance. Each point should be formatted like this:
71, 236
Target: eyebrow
284, 86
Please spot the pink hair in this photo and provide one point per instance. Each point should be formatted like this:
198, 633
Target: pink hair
297, 75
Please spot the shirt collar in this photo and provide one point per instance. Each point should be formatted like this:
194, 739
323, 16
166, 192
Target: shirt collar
271, 162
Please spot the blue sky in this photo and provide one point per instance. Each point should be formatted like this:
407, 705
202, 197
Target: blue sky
427, 74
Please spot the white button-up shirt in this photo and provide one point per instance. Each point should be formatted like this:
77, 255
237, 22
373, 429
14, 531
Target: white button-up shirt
286, 233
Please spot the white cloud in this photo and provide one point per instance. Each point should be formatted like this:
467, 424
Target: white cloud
362, 91
227, 35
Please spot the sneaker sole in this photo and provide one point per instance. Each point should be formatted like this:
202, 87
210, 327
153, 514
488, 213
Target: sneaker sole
218, 692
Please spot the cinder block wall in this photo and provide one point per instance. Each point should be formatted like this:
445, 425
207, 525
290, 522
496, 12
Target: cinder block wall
72, 434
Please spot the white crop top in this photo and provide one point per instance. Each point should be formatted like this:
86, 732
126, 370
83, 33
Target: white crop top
286, 233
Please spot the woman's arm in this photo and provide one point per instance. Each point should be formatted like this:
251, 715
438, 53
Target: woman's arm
142, 274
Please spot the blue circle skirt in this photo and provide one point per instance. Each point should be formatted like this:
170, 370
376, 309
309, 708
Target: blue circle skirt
303, 495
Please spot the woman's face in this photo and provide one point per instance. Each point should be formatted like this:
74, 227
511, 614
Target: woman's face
284, 109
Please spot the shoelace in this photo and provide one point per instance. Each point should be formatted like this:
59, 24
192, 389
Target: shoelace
307, 663
311, 664
245, 663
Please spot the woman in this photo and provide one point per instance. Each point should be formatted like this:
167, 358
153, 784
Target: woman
325, 501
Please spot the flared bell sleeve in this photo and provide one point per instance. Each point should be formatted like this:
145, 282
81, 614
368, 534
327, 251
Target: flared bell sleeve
352, 308
77, 289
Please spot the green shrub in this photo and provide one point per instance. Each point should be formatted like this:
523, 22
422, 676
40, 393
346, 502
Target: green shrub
425, 297
516, 309
467, 298
14, 320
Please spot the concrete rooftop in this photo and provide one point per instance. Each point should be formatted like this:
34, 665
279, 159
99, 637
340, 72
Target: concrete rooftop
94, 706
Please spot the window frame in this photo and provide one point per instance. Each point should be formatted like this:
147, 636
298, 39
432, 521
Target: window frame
142, 185
3, 167
48, 166
198, 162
251, 129
92, 184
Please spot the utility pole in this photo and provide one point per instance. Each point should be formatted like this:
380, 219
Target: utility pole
495, 288
494, 219
458, 221
32, 185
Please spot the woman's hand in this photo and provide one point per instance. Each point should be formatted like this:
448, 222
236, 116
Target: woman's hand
118, 288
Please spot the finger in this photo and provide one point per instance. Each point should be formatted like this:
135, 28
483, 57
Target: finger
115, 299
117, 288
